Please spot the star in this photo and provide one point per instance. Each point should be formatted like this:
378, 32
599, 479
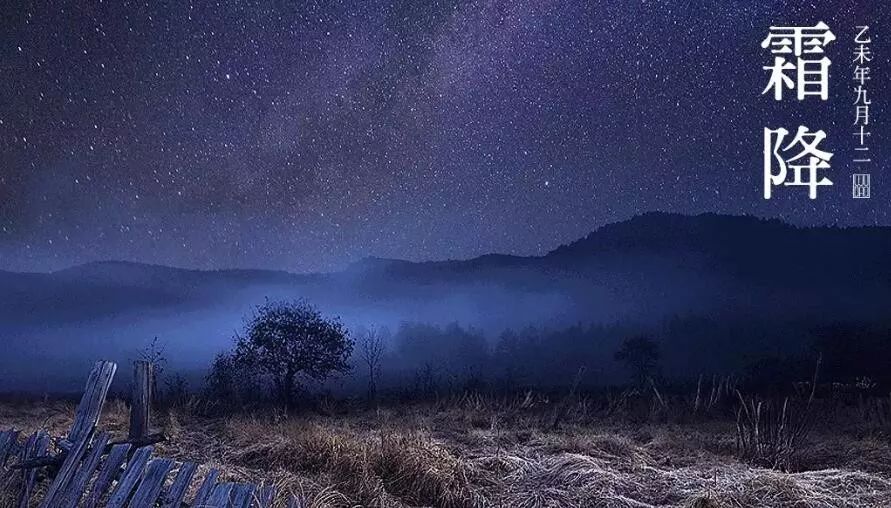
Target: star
304, 139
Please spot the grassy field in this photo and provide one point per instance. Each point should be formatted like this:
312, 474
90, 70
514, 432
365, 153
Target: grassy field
475, 451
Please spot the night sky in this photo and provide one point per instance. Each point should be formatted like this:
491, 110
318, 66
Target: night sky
305, 137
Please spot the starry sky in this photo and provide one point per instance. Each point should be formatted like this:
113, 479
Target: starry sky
306, 135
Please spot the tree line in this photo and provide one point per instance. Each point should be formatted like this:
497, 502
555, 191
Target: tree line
286, 347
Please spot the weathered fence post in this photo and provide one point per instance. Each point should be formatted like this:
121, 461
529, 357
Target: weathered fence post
80, 468
141, 401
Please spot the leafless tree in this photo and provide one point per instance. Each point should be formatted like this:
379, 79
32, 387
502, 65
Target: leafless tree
372, 347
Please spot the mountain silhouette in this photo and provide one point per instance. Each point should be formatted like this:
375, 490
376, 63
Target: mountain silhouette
651, 264
718, 288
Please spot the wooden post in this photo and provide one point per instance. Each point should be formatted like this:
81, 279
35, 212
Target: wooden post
141, 401
90, 407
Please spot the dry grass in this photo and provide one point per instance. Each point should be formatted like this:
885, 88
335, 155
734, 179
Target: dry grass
470, 453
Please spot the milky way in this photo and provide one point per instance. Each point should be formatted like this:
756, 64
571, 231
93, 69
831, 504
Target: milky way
304, 137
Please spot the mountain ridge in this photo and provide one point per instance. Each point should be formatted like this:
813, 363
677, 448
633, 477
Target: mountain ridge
730, 278
651, 265
643, 224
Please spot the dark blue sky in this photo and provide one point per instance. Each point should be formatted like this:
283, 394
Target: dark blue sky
303, 137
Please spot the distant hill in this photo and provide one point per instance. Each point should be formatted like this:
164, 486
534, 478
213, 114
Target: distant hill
653, 262
658, 266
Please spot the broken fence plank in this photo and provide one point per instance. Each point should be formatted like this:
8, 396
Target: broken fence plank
152, 481
56, 460
38, 462
131, 476
8, 445
242, 495
90, 407
220, 496
205, 489
69, 467
173, 498
141, 400
4, 442
75, 489
27, 451
36, 446
265, 496
150, 439
28, 448
109, 471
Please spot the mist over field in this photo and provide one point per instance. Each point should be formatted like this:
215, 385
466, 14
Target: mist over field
732, 286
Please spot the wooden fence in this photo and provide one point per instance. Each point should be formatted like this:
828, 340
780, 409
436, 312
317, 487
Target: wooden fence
86, 469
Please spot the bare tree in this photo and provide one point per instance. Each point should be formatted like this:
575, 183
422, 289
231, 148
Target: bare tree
372, 348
